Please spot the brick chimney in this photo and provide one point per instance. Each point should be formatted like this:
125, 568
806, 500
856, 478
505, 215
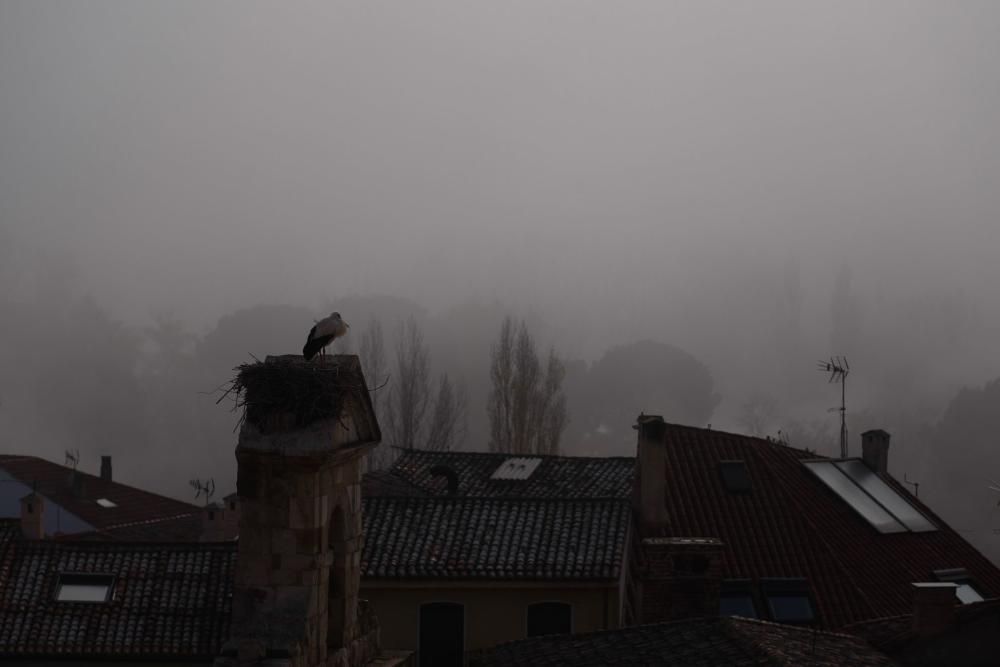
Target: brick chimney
231, 516
933, 607
299, 457
680, 578
106, 468
875, 450
33, 517
651, 463
213, 527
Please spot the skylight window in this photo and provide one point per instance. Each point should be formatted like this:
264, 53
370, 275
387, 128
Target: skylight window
870, 496
735, 476
966, 591
736, 599
84, 587
788, 600
516, 468
104, 502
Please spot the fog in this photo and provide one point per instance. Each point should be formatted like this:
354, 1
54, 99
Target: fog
756, 186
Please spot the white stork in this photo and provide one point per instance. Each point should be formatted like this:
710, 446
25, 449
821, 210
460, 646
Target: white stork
322, 334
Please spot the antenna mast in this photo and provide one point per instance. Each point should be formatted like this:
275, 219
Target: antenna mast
838, 368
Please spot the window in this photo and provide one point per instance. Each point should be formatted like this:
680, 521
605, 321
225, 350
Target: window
869, 496
104, 502
549, 618
84, 587
788, 600
967, 593
442, 634
735, 476
516, 468
736, 599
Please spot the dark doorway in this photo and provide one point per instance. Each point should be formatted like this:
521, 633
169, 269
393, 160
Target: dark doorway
442, 634
549, 618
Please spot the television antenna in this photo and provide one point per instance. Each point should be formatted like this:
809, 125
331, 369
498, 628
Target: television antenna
72, 458
206, 488
838, 368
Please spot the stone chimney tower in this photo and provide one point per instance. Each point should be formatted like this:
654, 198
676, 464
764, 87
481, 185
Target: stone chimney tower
306, 430
33, 516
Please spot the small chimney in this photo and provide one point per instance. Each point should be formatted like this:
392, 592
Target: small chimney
651, 460
231, 517
33, 516
450, 475
875, 450
933, 607
220, 522
106, 468
212, 523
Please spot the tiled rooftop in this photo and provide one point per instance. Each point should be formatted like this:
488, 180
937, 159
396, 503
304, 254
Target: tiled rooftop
791, 525
562, 477
734, 642
496, 538
131, 517
167, 601
559, 518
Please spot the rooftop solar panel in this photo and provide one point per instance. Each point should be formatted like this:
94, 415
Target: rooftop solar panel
885, 496
852, 494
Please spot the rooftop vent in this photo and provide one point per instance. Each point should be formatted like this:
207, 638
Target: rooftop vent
516, 468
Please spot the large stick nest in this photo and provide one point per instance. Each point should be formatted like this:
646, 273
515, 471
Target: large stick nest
284, 393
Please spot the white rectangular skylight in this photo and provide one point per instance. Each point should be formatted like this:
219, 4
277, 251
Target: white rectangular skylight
84, 587
104, 502
516, 468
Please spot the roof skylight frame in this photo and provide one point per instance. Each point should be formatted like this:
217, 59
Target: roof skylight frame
967, 591
789, 588
516, 468
74, 583
735, 476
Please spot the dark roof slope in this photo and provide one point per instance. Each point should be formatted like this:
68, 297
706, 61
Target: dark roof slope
174, 519
562, 477
169, 600
736, 642
495, 538
792, 525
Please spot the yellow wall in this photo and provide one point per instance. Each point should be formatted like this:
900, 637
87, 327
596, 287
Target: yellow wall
493, 614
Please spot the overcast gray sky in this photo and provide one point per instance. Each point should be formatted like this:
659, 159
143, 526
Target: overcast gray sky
596, 160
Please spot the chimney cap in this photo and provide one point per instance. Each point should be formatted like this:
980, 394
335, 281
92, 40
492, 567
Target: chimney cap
875, 432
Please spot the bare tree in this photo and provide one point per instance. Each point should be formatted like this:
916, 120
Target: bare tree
526, 407
371, 349
447, 426
412, 420
406, 408
758, 413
